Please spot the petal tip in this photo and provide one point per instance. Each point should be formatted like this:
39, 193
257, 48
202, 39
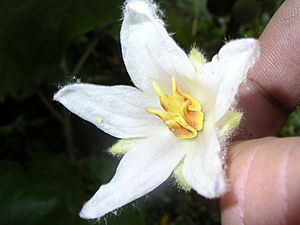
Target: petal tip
65, 90
252, 43
57, 95
136, 6
88, 212
215, 191
83, 214
247, 46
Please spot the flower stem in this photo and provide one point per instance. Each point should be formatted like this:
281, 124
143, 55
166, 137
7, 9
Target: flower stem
48, 104
65, 119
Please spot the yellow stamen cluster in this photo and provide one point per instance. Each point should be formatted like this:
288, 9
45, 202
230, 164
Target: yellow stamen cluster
182, 113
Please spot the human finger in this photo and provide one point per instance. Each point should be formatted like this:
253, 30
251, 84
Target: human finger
265, 182
272, 89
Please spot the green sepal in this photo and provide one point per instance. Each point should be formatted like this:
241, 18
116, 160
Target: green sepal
229, 122
197, 58
123, 146
179, 178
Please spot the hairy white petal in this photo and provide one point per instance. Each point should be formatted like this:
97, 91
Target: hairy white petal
202, 166
149, 53
142, 169
117, 110
227, 70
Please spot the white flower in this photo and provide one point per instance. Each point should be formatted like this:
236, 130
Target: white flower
177, 119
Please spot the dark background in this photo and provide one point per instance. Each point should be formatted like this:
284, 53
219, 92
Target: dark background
52, 161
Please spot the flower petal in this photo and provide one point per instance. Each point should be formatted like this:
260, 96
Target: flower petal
118, 110
141, 170
227, 70
149, 53
202, 166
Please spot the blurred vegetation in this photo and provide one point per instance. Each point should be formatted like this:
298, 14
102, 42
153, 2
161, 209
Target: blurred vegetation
292, 125
52, 161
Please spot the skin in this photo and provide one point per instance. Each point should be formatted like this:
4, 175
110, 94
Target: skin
264, 172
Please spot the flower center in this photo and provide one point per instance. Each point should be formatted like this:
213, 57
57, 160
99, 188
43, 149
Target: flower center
182, 113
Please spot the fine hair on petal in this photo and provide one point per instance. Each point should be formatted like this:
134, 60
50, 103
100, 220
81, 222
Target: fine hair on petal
155, 11
69, 80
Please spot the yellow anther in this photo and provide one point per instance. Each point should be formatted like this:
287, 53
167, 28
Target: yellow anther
158, 91
185, 106
195, 105
163, 115
182, 113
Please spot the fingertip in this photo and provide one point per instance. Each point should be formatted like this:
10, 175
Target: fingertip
265, 183
239, 162
278, 68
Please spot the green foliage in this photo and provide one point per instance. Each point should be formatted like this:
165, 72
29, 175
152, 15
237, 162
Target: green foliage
51, 163
38, 195
245, 11
292, 125
35, 35
51, 190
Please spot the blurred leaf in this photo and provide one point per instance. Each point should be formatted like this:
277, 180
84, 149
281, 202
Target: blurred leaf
270, 6
127, 216
292, 125
100, 168
51, 191
35, 34
19, 125
245, 11
220, 7
47, 193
